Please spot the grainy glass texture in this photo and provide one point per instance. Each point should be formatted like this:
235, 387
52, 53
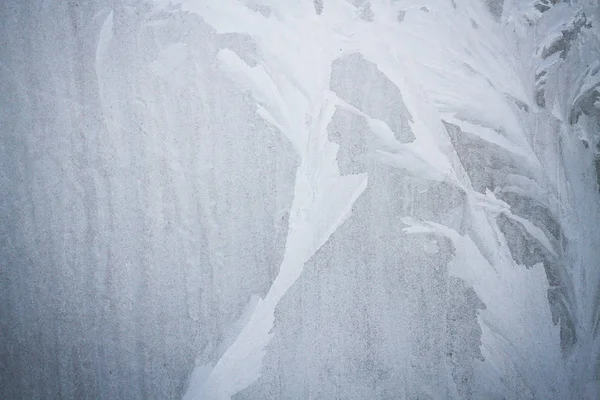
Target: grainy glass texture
296, 199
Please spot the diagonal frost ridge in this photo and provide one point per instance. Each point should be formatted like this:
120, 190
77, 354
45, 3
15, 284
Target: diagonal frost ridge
476, 129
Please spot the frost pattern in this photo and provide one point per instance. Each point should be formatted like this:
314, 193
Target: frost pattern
259, 199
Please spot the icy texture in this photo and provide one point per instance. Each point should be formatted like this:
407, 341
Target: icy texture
295, 199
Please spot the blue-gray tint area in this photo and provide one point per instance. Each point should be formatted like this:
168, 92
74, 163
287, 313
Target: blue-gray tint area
139, 216
158, 159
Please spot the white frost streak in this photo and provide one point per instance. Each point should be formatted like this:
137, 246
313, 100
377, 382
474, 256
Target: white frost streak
297, 100
495, 206
299, 104
104, 39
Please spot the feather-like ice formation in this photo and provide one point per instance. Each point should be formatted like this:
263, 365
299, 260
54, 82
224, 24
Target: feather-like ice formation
273, 199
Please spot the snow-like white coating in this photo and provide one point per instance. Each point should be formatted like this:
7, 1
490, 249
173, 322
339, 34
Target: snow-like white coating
272, 199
